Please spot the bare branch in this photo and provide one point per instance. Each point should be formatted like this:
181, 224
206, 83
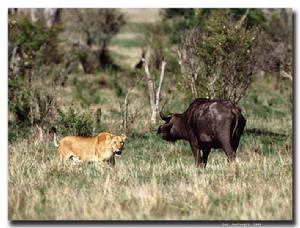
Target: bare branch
162, 73
151, 90
286, 75
241, 21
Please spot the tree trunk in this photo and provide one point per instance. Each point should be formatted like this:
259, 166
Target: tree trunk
151, 91
161, 78
52, 16
33, 14
14, 63
103, 56
154, 98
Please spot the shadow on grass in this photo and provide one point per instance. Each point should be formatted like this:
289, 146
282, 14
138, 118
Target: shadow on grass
263, 132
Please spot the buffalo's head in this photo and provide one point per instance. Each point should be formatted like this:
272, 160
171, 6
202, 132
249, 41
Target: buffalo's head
172, 129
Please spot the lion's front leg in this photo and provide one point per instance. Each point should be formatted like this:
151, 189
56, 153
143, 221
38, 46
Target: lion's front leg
112, 161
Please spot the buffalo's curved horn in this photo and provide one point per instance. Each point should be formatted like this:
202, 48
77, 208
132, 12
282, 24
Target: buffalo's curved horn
163, 116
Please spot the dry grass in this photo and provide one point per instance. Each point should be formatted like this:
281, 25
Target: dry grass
152, 180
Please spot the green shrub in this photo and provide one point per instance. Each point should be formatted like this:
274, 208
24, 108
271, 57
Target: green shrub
32, 50
75, 123
17, 131
19, 100
87, 90
88, 60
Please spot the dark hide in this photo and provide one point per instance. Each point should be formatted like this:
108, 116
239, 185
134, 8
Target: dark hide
206, 124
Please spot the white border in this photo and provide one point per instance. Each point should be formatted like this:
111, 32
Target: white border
114, 4
156, 3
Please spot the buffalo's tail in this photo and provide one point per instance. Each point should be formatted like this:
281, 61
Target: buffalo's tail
237, 113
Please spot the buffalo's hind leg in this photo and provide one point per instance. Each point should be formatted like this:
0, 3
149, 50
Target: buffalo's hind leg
226, 145
230, 153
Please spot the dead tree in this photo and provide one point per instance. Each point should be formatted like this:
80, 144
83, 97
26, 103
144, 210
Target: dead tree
154, 94
51, 15
286, 75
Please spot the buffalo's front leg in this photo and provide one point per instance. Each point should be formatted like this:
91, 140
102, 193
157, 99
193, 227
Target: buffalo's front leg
196, 153
204, 158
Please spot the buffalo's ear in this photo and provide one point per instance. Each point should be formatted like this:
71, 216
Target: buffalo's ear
168, 126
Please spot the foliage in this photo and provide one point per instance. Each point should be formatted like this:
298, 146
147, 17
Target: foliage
19, 100
17, 132
219, 57
88, 59
33, 50
77, 123
176, 21
35, 43
254, 17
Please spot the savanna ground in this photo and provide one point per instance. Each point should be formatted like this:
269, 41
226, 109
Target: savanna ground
153, 179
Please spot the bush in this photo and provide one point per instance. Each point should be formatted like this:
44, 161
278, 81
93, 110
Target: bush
17, 131
74, 123
218, 60
19, 100
88, 60
34, 44
36, 69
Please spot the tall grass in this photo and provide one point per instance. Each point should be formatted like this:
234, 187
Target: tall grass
152, 180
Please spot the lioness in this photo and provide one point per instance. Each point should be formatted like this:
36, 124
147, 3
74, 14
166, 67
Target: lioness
100, 148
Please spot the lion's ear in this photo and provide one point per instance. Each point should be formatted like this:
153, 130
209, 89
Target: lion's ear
102, 137
123, 137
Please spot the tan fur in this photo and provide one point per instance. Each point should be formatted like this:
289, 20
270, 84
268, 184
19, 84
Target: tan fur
102, 147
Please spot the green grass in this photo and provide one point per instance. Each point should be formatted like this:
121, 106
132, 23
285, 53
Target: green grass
152, 180
128, 43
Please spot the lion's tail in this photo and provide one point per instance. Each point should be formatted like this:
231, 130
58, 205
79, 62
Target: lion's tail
55, 140
54, 137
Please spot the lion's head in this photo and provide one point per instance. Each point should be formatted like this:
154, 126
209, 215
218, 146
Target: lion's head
117, 144
111, 144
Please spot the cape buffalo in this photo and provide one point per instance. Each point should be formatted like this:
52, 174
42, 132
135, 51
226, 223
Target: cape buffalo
206, 124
